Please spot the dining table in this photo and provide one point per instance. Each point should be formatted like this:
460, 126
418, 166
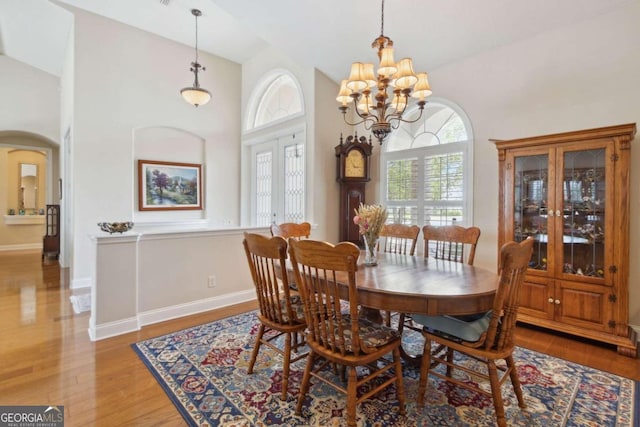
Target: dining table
414, 284
425, 285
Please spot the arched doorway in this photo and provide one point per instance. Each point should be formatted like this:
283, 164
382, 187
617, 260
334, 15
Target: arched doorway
30, 169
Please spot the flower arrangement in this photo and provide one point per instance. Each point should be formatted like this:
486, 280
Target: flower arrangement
370, 219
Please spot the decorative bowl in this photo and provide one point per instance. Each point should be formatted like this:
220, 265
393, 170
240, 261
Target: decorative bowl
115, 227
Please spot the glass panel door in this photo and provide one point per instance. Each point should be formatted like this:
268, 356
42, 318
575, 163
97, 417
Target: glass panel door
278, 180
584, 193
530, 207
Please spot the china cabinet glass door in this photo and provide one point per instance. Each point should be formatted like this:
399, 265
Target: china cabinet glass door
584, 195
530, 207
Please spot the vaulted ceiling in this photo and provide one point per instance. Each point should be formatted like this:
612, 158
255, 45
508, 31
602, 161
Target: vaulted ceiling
326, 34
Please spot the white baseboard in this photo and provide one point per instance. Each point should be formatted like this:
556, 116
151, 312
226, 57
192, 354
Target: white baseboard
195, 307
21, 247
80, 283
111, 329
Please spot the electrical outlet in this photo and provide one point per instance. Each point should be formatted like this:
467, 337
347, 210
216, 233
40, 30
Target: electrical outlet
212, 281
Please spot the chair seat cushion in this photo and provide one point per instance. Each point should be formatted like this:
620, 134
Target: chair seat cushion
297, 308
371, 334
467, 329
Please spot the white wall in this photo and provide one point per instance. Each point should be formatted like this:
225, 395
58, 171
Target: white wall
66, 152
579, 77
329, 127
30, 99
124, 80
145, 278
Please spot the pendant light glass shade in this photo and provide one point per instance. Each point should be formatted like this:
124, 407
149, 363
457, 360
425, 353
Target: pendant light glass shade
195, 95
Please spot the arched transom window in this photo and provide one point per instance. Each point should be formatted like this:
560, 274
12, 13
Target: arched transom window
280, 99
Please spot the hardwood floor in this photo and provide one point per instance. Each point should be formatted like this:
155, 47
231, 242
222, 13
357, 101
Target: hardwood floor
48, 359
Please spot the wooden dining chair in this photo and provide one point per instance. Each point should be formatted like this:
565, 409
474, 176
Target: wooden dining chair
291, 229
448, 242
326, 275
399, 238
279, 309
487, 338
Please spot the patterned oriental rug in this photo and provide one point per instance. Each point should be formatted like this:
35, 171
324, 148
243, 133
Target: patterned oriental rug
204, 371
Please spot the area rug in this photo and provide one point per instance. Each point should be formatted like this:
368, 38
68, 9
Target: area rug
204, 371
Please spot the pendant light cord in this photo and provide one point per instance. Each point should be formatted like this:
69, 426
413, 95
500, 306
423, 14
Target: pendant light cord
196, 38
382, 19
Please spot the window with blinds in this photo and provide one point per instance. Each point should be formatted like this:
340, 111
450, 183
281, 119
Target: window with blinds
426, 168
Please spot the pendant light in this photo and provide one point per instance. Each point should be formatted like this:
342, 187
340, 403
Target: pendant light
196, 95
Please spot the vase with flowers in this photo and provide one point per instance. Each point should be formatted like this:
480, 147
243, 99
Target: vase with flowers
370, 219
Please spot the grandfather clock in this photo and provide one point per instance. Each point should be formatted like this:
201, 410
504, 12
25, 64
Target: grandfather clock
353, 172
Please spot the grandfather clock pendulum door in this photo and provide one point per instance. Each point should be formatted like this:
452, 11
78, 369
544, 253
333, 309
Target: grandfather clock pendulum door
352, 172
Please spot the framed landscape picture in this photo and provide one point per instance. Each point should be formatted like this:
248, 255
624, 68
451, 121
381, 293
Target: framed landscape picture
169, 186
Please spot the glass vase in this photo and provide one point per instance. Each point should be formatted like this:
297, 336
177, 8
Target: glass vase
370, 250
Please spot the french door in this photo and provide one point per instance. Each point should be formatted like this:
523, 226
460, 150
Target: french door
278, 180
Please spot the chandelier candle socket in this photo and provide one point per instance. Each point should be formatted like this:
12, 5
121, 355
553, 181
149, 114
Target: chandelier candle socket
381, 101
370, 219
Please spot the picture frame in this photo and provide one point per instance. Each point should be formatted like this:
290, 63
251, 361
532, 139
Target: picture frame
167, 186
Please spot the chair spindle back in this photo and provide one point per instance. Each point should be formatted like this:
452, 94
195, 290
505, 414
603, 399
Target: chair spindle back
319, 267
399, 238
448, 242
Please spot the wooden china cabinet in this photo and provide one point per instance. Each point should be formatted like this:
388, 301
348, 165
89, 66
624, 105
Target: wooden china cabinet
570, 191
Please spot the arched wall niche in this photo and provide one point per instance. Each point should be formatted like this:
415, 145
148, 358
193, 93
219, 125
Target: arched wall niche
170, 144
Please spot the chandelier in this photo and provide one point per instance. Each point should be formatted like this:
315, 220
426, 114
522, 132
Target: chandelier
196, 95
381, 101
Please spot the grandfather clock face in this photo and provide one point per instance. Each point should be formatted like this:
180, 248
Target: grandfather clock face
354, 164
